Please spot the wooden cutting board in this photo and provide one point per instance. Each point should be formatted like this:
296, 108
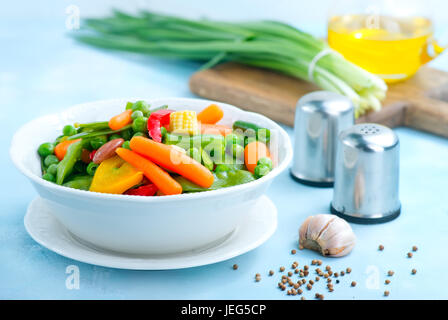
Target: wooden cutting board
420, 102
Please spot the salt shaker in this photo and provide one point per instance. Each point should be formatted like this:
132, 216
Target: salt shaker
320, 117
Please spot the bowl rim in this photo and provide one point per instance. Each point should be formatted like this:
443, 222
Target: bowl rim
129, 198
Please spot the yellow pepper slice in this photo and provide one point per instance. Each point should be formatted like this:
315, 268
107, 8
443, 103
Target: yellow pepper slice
115, 175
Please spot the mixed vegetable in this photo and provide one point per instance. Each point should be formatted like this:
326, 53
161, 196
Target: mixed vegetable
154, 152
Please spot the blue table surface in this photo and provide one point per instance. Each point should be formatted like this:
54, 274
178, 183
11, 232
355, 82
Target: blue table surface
42, 71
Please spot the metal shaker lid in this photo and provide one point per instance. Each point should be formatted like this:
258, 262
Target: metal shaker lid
367, 174
325, 102
320, 117
370, 137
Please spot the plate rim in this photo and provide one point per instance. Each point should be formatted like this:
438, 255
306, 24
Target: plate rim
144, 264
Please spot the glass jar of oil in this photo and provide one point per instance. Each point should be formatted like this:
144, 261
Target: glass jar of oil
391, 39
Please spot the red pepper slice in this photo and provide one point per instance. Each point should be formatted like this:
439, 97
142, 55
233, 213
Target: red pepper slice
92, 154
156, 121
146, 190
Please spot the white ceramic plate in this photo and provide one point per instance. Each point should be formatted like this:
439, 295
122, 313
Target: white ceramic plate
253, 231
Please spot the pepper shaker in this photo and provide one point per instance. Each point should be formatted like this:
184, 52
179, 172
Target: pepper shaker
320, 117
367, 175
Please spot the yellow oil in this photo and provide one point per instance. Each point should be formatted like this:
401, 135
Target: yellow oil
392, 48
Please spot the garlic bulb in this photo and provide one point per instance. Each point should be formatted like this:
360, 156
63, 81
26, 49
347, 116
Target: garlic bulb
328, 234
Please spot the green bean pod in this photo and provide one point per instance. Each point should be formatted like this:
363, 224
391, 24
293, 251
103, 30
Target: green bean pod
196, 141
80, 183
223, 179
248, 128
65, 167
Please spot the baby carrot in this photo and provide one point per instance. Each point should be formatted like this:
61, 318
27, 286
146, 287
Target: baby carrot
121, 120
172, 159
61, 148
157, 175
215, 129
210, 115
253, 152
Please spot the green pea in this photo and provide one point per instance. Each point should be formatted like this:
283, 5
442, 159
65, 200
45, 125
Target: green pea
91, 168
216, 150
68, 130
45, 149
221, 168
129, 105
51, 159
140, 124
235, 150
98, 141
53, 169
126, 145
261, 171
265, 161
234, 139
141, 106
138, 134
49, 177
114, 136
263, 135
250, 133
195, 154
136, 114
127, 134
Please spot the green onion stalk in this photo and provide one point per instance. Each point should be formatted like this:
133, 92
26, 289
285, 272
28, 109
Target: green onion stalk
266, 44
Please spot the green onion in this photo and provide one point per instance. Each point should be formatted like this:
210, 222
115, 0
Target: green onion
266, 44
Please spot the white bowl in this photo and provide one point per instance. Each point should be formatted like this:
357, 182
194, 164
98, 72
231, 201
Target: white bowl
144, 225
